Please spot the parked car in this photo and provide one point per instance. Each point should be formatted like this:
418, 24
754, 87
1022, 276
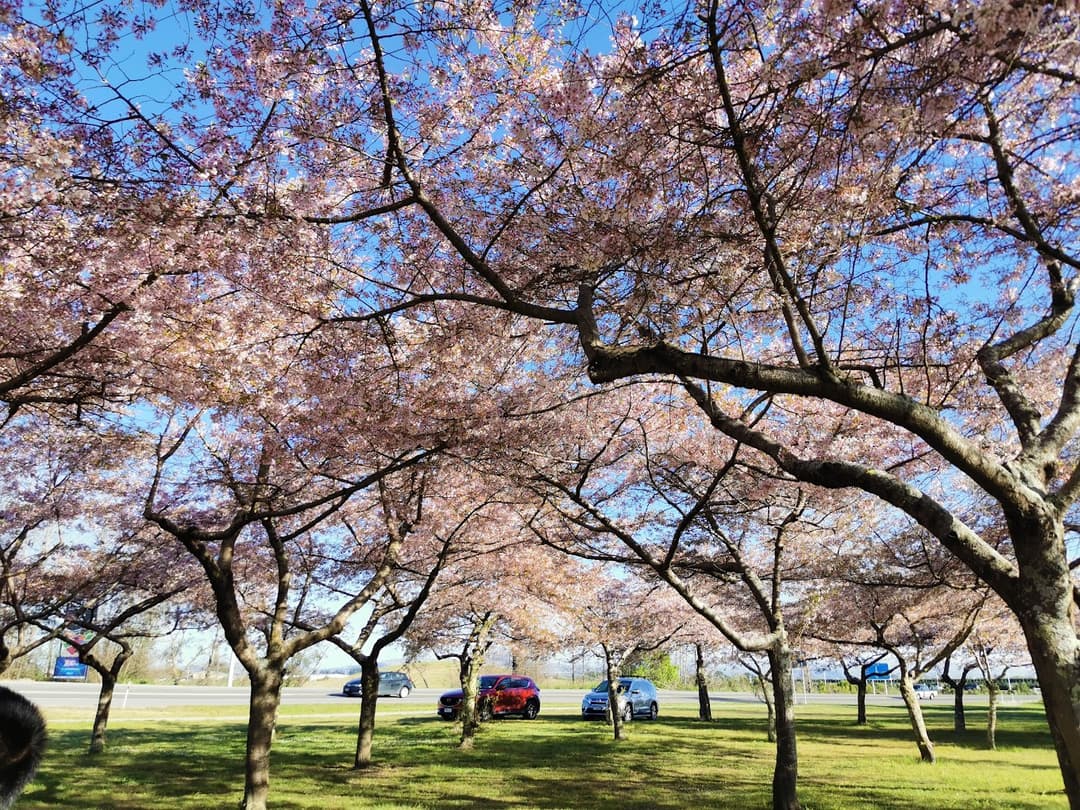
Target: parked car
969, 686
636, 698
391, 684
497, 696
925, 691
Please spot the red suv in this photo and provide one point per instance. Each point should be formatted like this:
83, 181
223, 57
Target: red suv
499, 695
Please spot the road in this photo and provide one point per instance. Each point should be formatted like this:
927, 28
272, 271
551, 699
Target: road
147, 696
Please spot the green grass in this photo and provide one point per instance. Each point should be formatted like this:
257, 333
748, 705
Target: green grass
173, 759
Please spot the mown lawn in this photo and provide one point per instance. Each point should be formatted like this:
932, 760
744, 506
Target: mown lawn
186, 759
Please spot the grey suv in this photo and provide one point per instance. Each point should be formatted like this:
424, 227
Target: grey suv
636, 698
394, 684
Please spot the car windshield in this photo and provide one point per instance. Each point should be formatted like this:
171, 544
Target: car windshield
624, 685
488, 681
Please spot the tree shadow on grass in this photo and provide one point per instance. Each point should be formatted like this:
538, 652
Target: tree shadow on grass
138, 769
564, 763
560, 762
1018, 726
556, 761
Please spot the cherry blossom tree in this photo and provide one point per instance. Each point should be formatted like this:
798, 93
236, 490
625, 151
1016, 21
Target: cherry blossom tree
405, 592
392, 613
276, 545
465, 632
959, 687
761, 676
729, 541
887, 589
499, 586
919, 640
81, 566
127, 585
996, 645
623, 616
118, 606
918, 626
69, 555
49, 510
701, 638
858, 667
26, 598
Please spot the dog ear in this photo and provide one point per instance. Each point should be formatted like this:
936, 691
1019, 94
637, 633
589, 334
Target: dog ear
22, 744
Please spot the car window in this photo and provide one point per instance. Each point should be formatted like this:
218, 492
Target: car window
488, 681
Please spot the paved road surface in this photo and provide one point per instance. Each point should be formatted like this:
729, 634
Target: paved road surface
143, 696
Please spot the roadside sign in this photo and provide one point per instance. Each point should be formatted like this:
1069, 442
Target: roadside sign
878, 672
68, 667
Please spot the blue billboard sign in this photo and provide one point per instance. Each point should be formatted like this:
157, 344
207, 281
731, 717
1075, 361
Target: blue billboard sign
878, 672
69, 668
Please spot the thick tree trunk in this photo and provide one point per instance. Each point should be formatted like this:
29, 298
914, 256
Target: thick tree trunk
1046, 607
958, 712
957, 684
613, 713
860, 702
915, 715
262, 719
469, 718
101, 716
704, 704
369, 696
786, 769
1056, 658
109, 676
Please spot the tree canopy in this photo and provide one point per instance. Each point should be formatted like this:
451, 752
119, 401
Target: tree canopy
270, 253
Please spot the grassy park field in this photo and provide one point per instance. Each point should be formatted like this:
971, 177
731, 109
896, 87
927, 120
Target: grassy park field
191, 759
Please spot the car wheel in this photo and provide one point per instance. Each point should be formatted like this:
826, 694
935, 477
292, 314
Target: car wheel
628, 713
654, 710
532, 708
403, 692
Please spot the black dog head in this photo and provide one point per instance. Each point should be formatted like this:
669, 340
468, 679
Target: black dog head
22, 744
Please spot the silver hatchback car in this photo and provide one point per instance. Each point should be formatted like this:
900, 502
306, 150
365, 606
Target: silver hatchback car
636, 698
